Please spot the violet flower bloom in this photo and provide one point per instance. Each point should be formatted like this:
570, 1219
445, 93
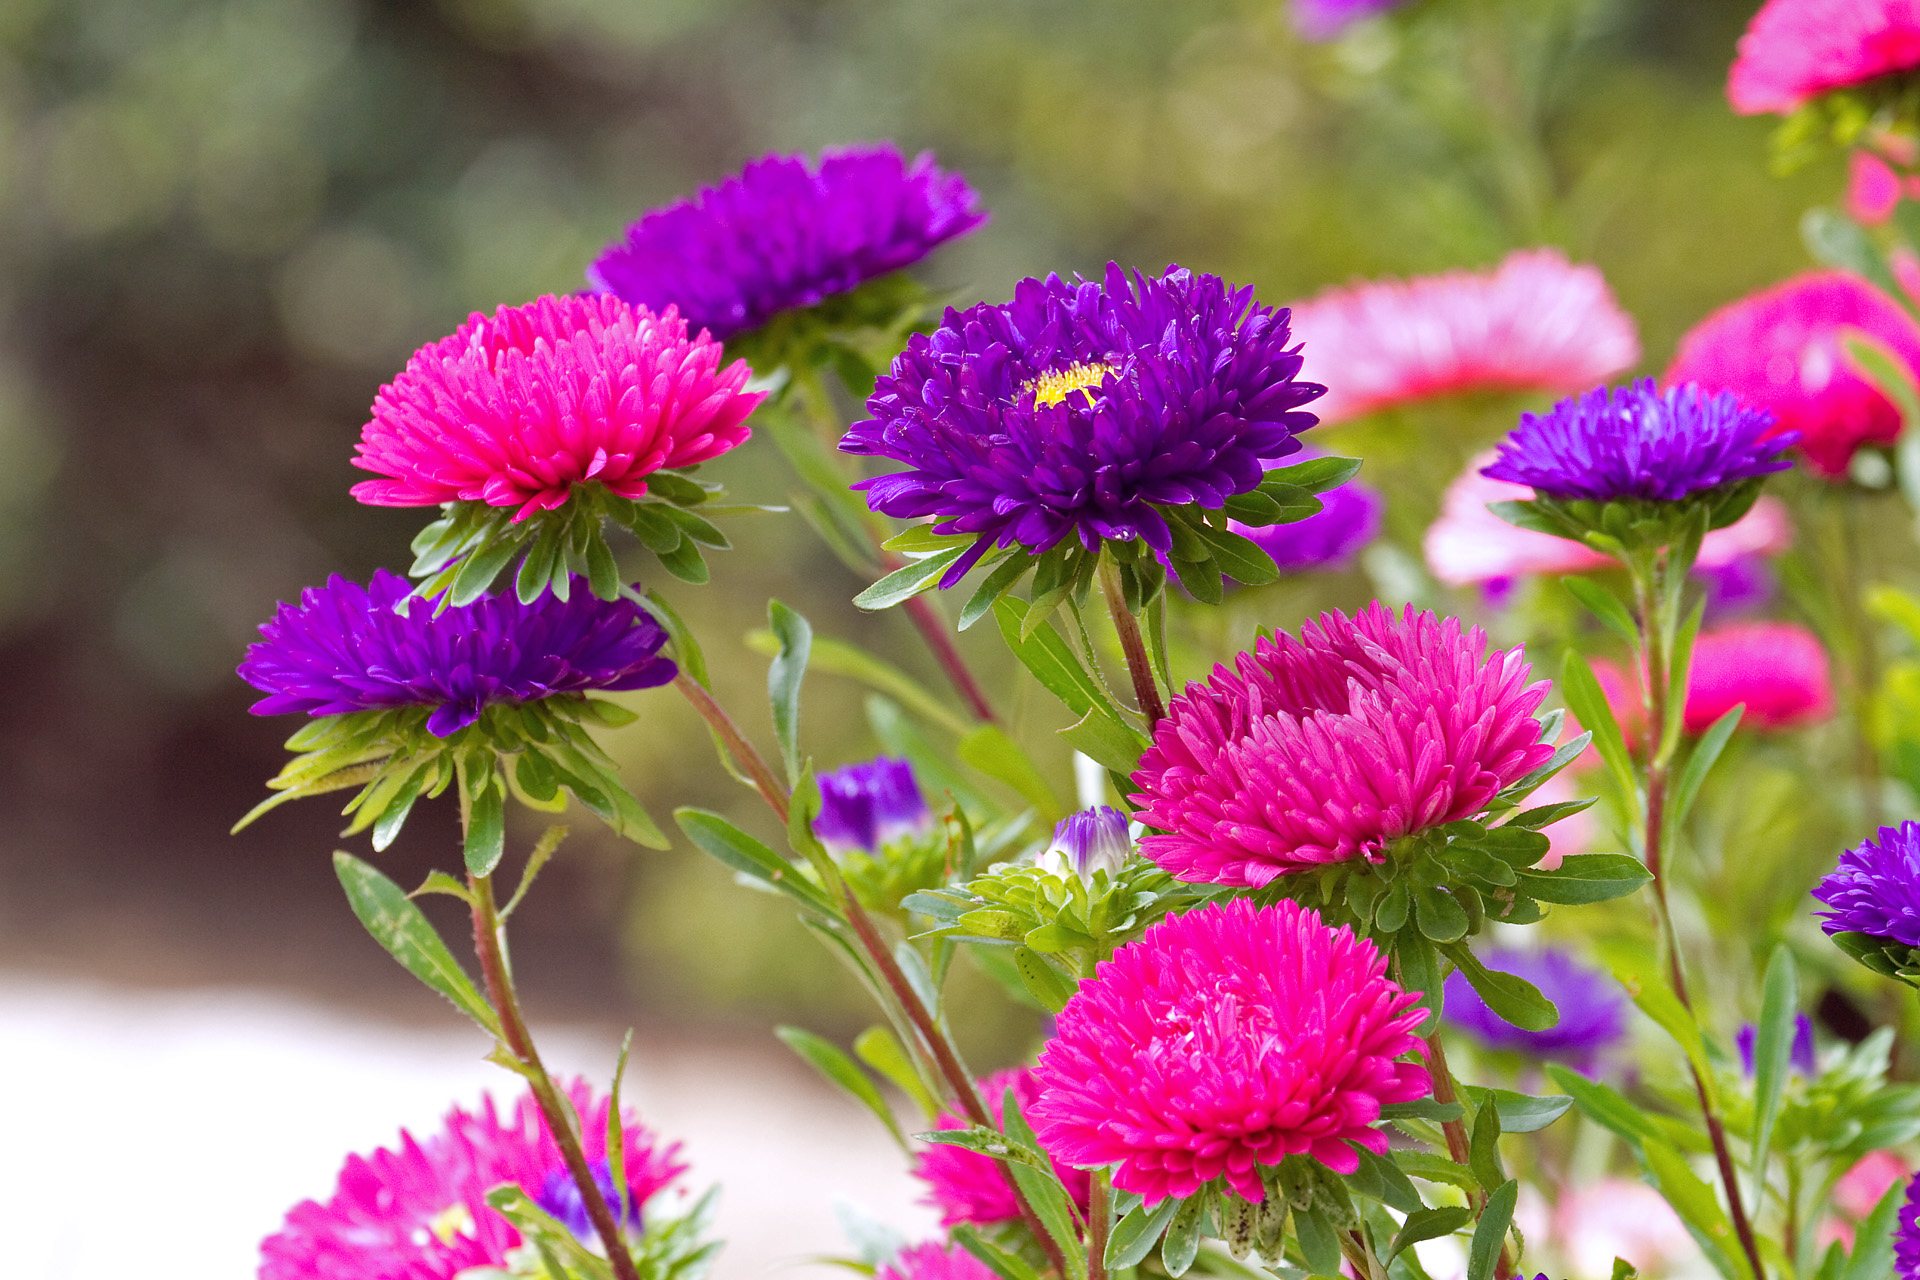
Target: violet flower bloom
421, 1212
1225, 1039
868, 806
1801, 1057
1078, 410
347, 648
1091, 840
784, 234
1634, 442
1906, 1236
1593, 1012
1796, 50
1329, 747
1325, 19
1876, 888
966, 1186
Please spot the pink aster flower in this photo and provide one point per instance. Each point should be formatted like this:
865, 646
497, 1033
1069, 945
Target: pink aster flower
1778, 670
1329, 747
1534, 323
1613, 1218
1796, 50
515, 409
934, 1261
1229, 1037
1469, 544
421, 1213
1780, 350
967, 1187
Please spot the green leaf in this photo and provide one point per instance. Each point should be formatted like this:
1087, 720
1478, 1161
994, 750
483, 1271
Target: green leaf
1388, 1183
403, 930
1698, 1207
837, 657
479, 569
1133, 1237
1438, 916
1491, 1232
486, 838
840, 1070
603, 575
728, 844
538, 565
1588, 702
1182, 1244
1102, 738
1439, 1169
1043, 1191
1239, 558
1598, 1102
1423, 1109
1602, 604
1007, 1266
1508, 995
1484, 1148
1772, 1050
989, 749
1835, 239
784, 676
1319, 1242
1317, 475
685, 563
1519, 1112
1428, 1224
996, 584
880, 1049
1042, 980
1045, 653
561, 1251
909, 581
1873, 1244
616, 1133
1583, 878
1658, 1002
543, 849
1699, 761
1681, 666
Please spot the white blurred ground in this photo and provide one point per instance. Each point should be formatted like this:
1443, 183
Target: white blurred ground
161, 1134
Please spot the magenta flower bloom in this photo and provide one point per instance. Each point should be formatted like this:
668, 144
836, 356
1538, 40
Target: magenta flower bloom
866, 806
1325, 19
421, 1213
1796, 50
347, 648
783, 234
1226, 1038
1876, 888
967, 1187
1778, 670
1534, 323
1779, 350
515, 409
1593, 1012
1330, 747
934, 1261
1079, 410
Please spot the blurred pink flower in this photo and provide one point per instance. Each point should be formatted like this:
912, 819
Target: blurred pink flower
1778, 670
1780, 350
1858, 1193
1613, 1217
1573, 833
934, 1261
967, 1187
1796, 50
1534, 323
1470, 544
1873, 188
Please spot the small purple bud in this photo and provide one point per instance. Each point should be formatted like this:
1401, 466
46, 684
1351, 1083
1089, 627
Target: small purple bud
1091, 840
867, 806
1801, 1059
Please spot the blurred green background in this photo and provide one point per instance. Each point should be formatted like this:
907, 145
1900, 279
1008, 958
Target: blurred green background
223, 223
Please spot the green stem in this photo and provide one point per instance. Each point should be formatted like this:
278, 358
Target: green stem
1132, 644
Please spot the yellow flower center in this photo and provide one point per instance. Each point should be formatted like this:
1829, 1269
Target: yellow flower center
450, 1222
1056, 385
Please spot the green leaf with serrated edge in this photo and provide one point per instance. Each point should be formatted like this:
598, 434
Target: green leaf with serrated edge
1588, 702
880, 1049
1182, 1243
1873, 1244
1007, 1266
837, 1069
905, 583
1483, 1149
784, 677
728, 844
1519, 1112
1599, 1103
1491, 1231
989, 749
486, 838
1043, 1191
1602, 604
1699, 762
1698, 1207
1319, 1242
1772, 1050
479, 569
1043, 982
1658, 1002
837, 657
1508, 995
1583, 878
1438, 1169
1386, 1182
403, 930
1100, 737
1428, 1224
1133, 1237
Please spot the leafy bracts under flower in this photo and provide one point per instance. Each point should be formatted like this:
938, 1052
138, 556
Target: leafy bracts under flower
1873, 898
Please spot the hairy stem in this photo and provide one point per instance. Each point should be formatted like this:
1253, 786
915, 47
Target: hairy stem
736, 743
1099, 1222
1139, 667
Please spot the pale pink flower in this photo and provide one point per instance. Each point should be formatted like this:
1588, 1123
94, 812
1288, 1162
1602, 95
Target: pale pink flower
1796, 50
1534, 323
1617, 1218
967, 1187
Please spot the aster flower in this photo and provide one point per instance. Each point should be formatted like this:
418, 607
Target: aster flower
968, 1187
421, 1212
580, 403
868, 806
1325, 19
784, 234
1330, 747
1593, 1014
934, 1261
1224, 1040
1796, 50
1780, 350
1536, 322
1090, 412
1875, 890
1089, 841
1906, 1236
1800, 1056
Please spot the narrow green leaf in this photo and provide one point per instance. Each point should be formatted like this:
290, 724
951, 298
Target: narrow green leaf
537, 566
616, 1136
843, 1072
1682, 665
1598, 1102
1873, 1244
784, 676
404, 931
1428, 1224
880, 1049
1602, 604
486, 838
1491, 1232
905, 583
603, 575
1508, 995
1484, 1148
1319, 1241
1239, 558
1699, 762
1133, 1237
996, 584
1835, 239
1658, 1002
837, 657
1008, 1266
728, 844
1588, 702
1043, 1191
1046, 654
1583, 878
1043, 981
1392, 1185
1102, 738
479, 569
561, 1251
1317, 475
1772, 1050
1182, 1244
988, 749
685, 563
1698, 1207
543, 849
1519, 1112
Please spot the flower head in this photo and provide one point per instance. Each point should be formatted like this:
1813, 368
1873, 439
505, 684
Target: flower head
421, 1212
347, 648
1227, 1038
783, 234
934, 1261
1329, 747
1081, 410
1325, 19
1796, 50
1593, 1014
867, 806
1534, 323
968, 1187
1348, 519
1800, 1056
1780, 350
1090, 840
1876, 888
1634, 442
516, 408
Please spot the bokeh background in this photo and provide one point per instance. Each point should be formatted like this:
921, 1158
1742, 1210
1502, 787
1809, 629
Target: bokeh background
224, 223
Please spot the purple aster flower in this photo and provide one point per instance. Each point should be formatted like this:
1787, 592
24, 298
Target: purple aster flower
1906, 1236
1091, 840
1078, 410
867, 806
1636, 442
1740, 586
1348, 519
783, 234
347, 648
1801, 1058
1592, 1010
1876, 888
1325, 19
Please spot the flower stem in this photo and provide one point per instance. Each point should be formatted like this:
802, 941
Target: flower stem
736, 743
1139, 666
1459, 1147
1099, 1213
488, 946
